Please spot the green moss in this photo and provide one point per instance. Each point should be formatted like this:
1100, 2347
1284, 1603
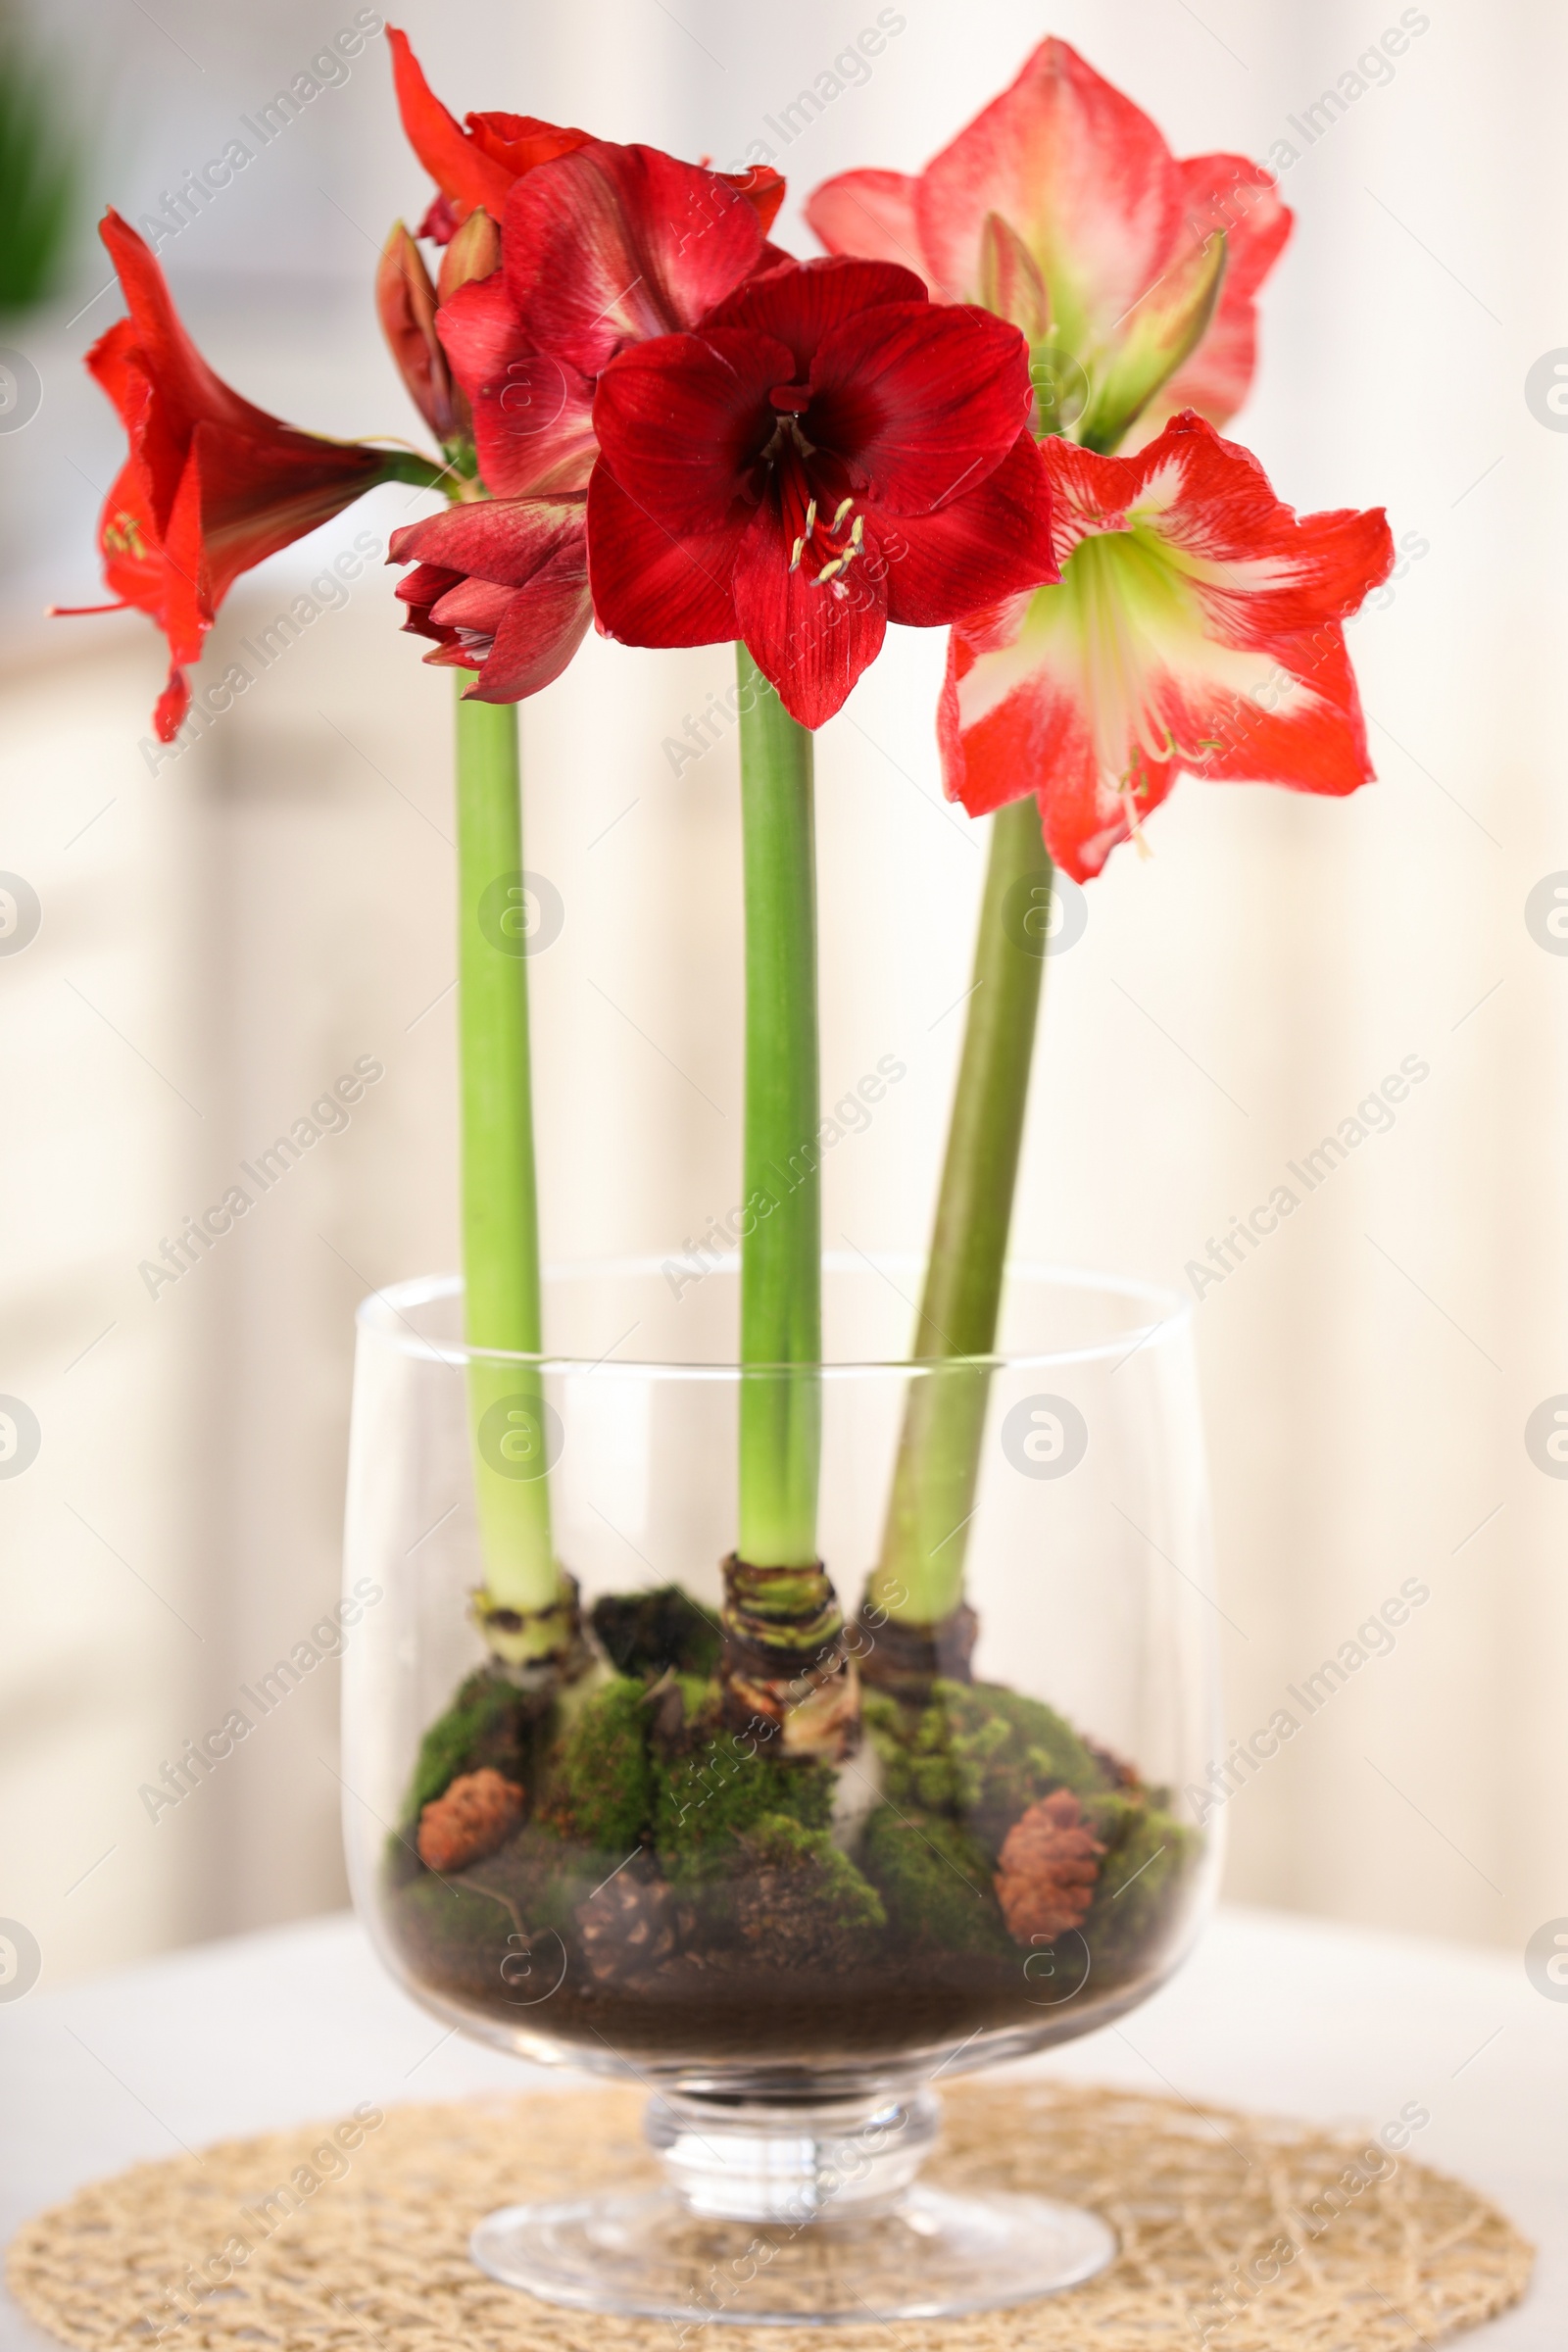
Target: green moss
601, 1785
819, 1873
935, 1883
1148, 1855
716, 1791
457, 1930
489, 1722
979, 1752
649, 1633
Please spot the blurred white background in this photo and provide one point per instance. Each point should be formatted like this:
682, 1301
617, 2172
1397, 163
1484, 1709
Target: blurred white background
223, 937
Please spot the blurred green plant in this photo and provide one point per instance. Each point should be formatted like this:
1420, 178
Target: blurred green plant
42, 159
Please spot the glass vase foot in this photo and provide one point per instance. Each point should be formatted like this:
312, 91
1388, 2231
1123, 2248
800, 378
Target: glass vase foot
933, 2256
792, 2215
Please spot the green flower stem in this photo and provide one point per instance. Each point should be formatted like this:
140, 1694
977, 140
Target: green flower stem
919, 1577
499, 1207
407, 466
781, 1307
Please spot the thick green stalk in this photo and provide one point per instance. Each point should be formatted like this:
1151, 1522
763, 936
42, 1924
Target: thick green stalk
781, 1312
919, 1577
509, 1422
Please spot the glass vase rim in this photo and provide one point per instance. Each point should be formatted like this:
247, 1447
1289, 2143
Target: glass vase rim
384, 1317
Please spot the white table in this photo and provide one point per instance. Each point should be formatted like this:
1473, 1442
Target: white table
1273, 2012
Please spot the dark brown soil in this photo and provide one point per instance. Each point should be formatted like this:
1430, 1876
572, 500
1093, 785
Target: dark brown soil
726, 2006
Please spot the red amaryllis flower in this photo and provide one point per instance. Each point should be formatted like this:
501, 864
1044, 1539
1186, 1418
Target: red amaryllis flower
600, 248
830, 450
1133, 274
479, 167
473, 168
1197, 626
212, 485
502, 586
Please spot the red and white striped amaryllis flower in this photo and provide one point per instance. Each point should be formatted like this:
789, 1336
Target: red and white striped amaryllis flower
1197, 626
830, 450
1132, 274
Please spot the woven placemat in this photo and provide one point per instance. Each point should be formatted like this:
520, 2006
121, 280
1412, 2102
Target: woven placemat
1237, 2232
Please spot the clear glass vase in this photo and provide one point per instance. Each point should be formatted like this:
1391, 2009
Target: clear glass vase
788, 1950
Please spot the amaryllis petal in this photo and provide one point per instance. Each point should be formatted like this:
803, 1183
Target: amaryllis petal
763, 189
189, 601
520, 143
870, 213
532, 414
171, 707
1197, 627
422, 590
924, 400
941, 566
611, 245
800, 302
542, 628
499, 539
467, 175
472, 605
152, 346
810, 642
685, 417
653, 586
129, 543
211, 484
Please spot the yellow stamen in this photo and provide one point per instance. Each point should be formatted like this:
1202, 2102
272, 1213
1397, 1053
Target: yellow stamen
810, 518
797, 552
843, 510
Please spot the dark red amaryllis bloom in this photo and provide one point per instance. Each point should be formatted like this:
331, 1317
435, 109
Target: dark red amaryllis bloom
830, 450
475, 168
501, 587
600, 248
1197, 626
212, 485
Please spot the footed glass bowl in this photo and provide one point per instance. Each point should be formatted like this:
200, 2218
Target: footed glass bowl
631, 1872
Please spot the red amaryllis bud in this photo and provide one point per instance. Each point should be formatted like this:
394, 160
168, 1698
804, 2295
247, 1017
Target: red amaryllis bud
501, 584
212, 485
474, 253
406, 305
